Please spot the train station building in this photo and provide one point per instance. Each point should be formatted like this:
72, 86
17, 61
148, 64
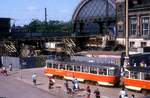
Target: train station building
106, 20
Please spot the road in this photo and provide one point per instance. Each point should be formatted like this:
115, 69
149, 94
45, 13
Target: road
12, 88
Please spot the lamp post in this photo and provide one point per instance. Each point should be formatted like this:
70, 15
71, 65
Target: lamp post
127, 34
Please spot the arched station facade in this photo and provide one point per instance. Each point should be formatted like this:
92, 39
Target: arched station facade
92, 18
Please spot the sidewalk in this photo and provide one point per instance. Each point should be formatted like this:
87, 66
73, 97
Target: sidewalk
42, 83
59, 88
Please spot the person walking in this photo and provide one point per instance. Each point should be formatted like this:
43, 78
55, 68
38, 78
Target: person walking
10, 67
73, 85
126, 96
122, 93
67, 86
34, 78
88, 91
51, 82
76, 83
97, 93
132, 96
4, 71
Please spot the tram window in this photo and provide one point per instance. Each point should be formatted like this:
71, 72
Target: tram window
49, 65
111, 72
134, 75
55, 65
85, 69
139, 75
62, 66
117, 72
76, 68
102, 71
69, 67
142, 76
93, 70
147, 76
126, 74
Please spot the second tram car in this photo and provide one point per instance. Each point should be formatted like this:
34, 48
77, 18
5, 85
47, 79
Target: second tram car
137, 74
137, 78
103, 74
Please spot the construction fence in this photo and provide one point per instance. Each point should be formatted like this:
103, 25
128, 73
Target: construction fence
28, 62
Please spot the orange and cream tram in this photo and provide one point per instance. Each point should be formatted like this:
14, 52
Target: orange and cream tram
137, 78
103, 74
137, 75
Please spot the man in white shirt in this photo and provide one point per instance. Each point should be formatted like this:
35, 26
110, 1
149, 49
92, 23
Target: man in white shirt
34, 78
122, 93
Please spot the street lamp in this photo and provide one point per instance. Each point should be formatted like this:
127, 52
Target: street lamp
127, 34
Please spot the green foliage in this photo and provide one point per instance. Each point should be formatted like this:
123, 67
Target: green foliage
50, 26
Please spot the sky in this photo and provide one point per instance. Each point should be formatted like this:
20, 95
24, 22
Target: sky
24, 11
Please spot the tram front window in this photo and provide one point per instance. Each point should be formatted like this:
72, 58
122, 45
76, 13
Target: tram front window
49, 65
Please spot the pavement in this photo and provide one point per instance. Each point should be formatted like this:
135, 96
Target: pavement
13, 88
59, 89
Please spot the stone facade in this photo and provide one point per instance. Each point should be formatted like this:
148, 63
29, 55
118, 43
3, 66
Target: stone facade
139, 22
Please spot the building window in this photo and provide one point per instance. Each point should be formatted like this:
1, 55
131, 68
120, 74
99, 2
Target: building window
143, 44
145, 25
132, 44
133, 24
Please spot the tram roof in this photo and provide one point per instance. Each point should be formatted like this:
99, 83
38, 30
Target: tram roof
91, 64
139, 69
140, 54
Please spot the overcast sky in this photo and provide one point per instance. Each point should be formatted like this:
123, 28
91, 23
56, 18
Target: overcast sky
23, 11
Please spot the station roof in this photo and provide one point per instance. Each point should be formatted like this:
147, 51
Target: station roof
94, 10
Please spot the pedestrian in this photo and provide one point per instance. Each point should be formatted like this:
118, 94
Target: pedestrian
73, 85
51, 82
76, 83
34, 78
97, 93
126, 96
10, 67
67, 86
132, 96
122, 93
4, 71
88, 91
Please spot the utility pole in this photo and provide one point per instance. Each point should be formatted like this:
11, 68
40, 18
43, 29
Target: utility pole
45, 19
127, 34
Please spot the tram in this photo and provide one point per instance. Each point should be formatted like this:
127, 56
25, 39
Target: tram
137, 75
102, 74
137, 78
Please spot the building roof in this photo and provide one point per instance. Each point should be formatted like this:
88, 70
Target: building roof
94, 10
